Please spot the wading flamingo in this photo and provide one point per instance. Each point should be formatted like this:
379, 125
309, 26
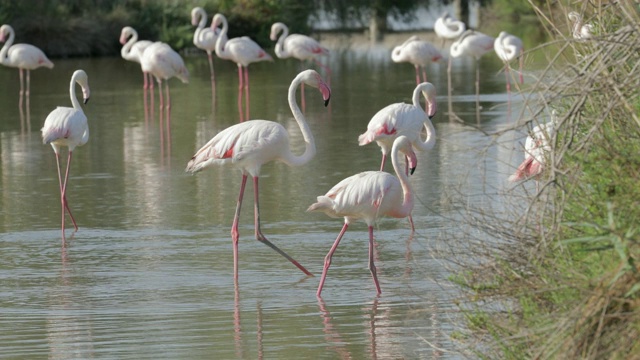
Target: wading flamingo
417, 52
204, 38
22, 56
580, 30
133, 49
67, 126
448, 27
401, 119
161, 61
368, 196
537, 147
241, 50
250, 144
509, 47
298, 46
475, 44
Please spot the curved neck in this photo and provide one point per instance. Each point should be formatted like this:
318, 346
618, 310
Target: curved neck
72, 93
203, 19
430, 141
4, 58
222, 39
281, 52
407, 200
125, 52
310, 149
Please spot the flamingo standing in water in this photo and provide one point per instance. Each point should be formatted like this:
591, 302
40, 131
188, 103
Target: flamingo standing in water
250, 144
67, 126
241, 50
537, 147
368, 196
475, 44
401, 119
509, 47
22, 56
204, 38
133, 49
161, 61
417, 52
448, 27
298, 46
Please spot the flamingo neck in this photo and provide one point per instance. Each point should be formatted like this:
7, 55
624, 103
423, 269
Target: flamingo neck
4, 53
222, 40
407, 200
281, 52
430, 141
72, 93
310, 149
125, 52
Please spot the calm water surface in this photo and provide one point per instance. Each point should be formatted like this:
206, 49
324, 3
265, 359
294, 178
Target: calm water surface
149, 273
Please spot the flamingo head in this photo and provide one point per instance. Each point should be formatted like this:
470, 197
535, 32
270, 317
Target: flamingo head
82, 79
312, 78
429, 93
218, 19
5, 30
196, 14
124, 34
276, 28
404, 146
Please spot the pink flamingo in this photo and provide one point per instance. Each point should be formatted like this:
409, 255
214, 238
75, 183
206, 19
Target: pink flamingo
537, 147
22, 56
509, 47
475, 44
417, 52
133, 48
161, 61
241, 50
368, 196
67, 126
401, 119
298, 46
204, 38
448, 27
249, 145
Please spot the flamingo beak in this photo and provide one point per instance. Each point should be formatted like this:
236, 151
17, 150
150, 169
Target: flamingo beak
326, 93
412, 170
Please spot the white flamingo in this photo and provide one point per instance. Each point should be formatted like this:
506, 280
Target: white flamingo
22, 56
204, 38
133, 48
67, 126
369, 196
509, 47
448, 27
474, 44
419, 53
241, 50
161, 61
250, 144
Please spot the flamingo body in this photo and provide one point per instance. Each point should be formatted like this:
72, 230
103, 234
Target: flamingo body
67, 126
203, 38
298, 46
368, 196
472, 43
21, 56
536, 148
417, 52
161, 61
447, 27
249, 145
401, 119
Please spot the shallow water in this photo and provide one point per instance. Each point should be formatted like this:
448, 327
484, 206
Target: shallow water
149, 273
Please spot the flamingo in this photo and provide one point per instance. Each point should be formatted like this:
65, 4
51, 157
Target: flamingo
301, 47
23, 56
579, 30
536, 148
133, 48
475, 44
417, 52
161, 61
509, 47
368, 196
249, 145
67, 126
448, 27
204, 38
241, 50
401, 119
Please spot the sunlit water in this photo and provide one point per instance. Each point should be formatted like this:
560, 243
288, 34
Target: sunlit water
149, 273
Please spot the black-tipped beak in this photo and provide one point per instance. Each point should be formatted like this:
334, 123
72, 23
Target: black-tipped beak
432, 116
326, 102
412, 170
86, 101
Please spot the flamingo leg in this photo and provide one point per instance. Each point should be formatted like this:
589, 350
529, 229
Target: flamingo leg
213, 75
166, 85
260, 237
21, 88
449, 90
424, 74
64, 191
160, 93
145, 82
417, 75
406, 171
384, 158
28, 84
246, 91
506, 73
240, 93
234, 227
327, 259
372, 266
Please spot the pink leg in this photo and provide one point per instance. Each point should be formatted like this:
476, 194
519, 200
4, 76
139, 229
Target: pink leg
372, 266
506, 73
240, 85
213, 76
260, 237
64, 191
234, 227
28, 84
21, 88
166, 85
160, 93
384, 158
246, 92
327, 259
145, 83
424, 75
417, 75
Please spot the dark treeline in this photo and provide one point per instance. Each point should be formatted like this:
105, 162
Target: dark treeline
78, 28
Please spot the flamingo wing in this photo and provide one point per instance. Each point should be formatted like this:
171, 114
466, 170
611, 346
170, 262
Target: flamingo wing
392, 121
65, 126
304, 47
26, 56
